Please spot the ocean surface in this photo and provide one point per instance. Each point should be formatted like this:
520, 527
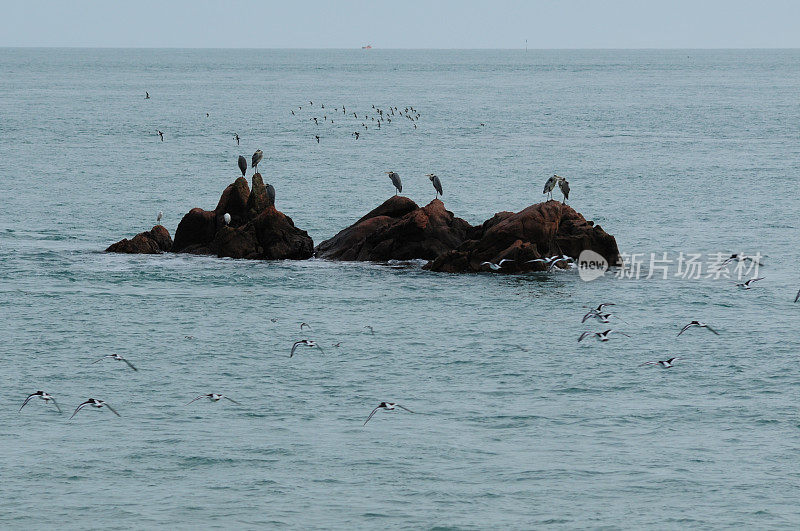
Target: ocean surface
516, 424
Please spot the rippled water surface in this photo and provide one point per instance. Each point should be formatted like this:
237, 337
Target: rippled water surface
516, 424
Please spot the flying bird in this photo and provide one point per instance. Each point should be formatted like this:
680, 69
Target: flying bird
602, 317
47, 397
116, 357
437, 184
306, 325
307, 342
395, 180
796, 297
495, 267
160, 134
386, 406
146, 95
601, 336
235, 136
242, 165
747, 284
94, 403
214, 397
317, 137
665, 363
371, 330
698, 324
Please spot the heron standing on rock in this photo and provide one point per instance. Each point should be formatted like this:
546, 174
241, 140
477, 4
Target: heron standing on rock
564, 185
395, 181
550, 185
242, 165
437, 184
257, 156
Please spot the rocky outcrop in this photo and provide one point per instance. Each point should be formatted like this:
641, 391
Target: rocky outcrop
257, 230
156, 240
541, 230
398, 230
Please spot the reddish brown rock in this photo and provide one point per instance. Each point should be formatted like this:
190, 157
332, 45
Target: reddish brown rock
398, 230
156, 240
541, 230
256, 231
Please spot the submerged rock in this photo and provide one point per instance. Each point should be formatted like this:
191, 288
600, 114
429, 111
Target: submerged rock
541, 230
156, 240
398, 230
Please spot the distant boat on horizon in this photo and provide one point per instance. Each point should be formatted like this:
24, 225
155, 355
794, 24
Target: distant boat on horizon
367, 47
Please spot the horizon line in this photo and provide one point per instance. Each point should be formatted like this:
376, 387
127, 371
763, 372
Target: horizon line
385, 49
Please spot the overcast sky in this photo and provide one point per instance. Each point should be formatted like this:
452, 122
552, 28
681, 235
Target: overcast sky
402, 23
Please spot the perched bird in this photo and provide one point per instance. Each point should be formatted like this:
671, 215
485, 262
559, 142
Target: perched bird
236, 137
242, 165
159, 216
116, 357
227, 218
395, 181
665, 363
437, 184
747, 284
307, 342
270, 193
214, 397
386, 406
495, 267
146, 95
257, 156
550, 185
94, 403
47, 397
160, 134
698, 324
601, 336
564, 185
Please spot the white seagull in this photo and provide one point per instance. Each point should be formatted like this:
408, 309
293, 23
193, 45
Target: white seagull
495, 267
307, 342
94, 403
746, 285
738, 258
388, 406
600, 316
699, 324
664, 363
159, 216
47, 397
227, 218
214, 397
601, 336
118, 358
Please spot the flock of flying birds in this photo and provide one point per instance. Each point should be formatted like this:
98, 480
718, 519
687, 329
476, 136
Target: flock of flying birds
212, 397
359, 120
